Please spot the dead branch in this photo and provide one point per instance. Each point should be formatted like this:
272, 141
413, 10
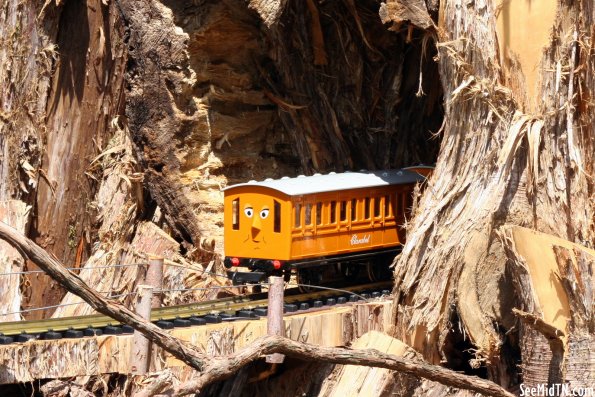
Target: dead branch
74, 284
547, 330
221, 368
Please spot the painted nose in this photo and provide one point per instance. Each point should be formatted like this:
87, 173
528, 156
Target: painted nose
256, 225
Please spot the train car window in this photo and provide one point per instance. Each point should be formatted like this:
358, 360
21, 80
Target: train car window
333, 212
376, 207
343, 214
319, 213
298, 215
367, 208
353, 209
276, 216
308, 215
235, 218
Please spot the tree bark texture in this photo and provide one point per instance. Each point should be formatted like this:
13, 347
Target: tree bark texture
557, 316
27, 56
500, 161
84, 96
26, 60
61, 82
16, 214
347, 93
155, 111
71, 162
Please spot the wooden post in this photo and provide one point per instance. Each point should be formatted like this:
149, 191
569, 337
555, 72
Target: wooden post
275, 325
154, 278
141, 348
146, 300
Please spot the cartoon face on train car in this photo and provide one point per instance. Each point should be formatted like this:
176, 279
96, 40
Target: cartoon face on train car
254, 223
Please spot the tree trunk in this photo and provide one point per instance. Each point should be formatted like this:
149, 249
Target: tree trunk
506, 158
84, 97
554, 284
26, 60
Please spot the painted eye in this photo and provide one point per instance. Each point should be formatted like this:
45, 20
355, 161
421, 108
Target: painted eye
248, 211
264, 213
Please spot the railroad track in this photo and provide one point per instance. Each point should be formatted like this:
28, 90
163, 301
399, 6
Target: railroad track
225, 309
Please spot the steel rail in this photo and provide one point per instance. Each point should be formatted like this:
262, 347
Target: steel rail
223, 305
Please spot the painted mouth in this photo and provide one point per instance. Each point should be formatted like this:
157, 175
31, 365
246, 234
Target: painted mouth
262, 240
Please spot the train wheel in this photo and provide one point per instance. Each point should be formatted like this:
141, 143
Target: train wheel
378, 271
349, 271
306, 278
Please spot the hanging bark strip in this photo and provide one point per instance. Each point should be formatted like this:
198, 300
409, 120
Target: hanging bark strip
214, 368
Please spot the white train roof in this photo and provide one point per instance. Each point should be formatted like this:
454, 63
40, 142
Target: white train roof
318, 183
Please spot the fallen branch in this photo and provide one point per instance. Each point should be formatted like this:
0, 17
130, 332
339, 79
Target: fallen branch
221, 368
72, 283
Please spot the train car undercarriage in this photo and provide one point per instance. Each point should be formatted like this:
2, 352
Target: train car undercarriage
312, 272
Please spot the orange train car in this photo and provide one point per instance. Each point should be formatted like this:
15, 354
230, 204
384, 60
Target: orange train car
296, 225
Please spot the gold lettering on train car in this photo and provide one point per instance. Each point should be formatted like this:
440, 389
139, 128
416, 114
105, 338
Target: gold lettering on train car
355, 240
